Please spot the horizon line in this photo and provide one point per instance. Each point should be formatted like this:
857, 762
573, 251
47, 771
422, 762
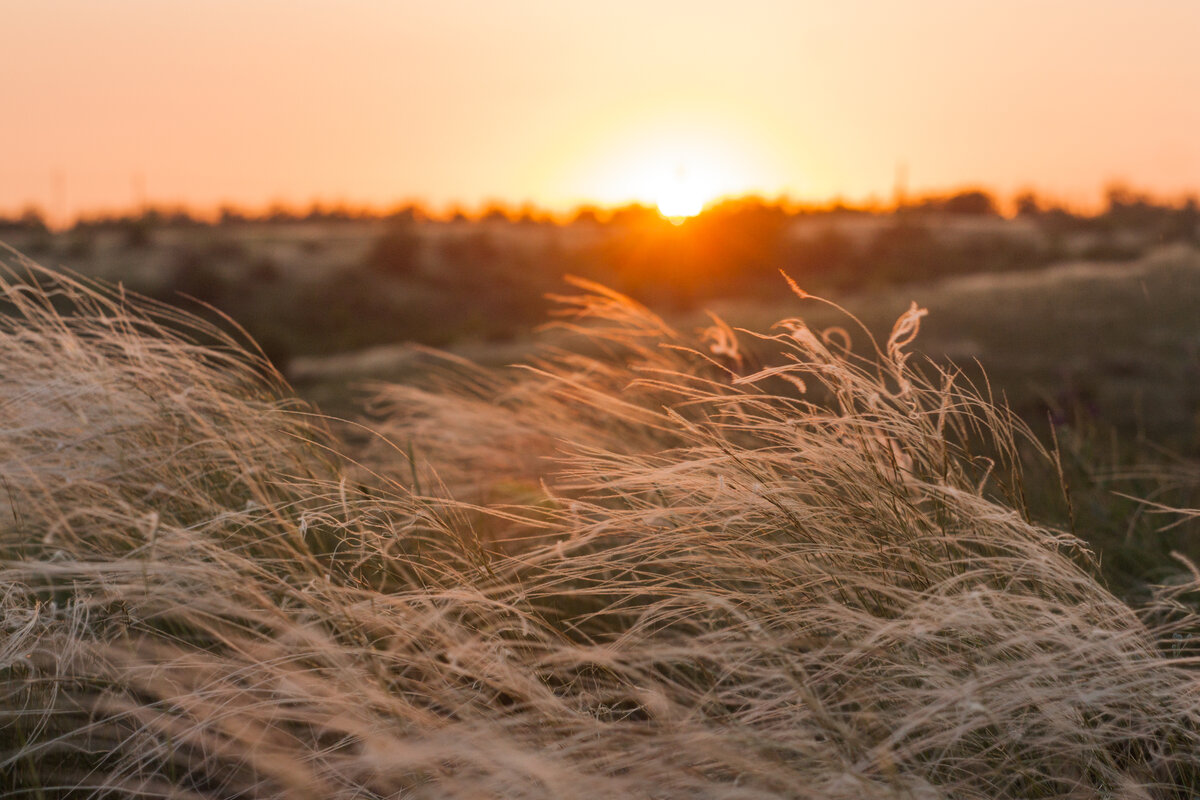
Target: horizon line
527, 210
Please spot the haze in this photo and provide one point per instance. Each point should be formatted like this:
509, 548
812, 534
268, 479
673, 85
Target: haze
114, 104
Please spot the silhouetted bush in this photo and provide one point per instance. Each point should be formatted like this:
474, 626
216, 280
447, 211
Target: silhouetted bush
635, 215
1028, 204
971, 202
1184, 225
1130, 209
229, 215
974, 202
496, 212
587, 215
30, 220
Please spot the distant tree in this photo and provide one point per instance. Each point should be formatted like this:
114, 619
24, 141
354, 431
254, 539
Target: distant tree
1028, 204
635, 214
1119, 197
228, 215
495, 212
1185, 223
179, 217
586, 215
1130, 209
975, 202
318, 212
529, 214
405, 215
1190, 216
279, 214
30, 220
1058, 221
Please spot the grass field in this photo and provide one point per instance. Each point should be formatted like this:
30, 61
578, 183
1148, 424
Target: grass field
654, 562
1100, 359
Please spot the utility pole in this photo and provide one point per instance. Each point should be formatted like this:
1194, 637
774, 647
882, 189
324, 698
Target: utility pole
58, 193
900, 188
139, 193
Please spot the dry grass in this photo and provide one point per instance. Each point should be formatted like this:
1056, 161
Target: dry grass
658, 572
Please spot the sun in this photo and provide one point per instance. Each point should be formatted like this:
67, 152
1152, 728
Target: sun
677, 170
680, 195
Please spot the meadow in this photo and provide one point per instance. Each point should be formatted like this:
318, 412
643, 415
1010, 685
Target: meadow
661, 558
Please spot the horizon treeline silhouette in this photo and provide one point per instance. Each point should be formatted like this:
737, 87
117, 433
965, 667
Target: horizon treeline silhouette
405, 275
1119, 199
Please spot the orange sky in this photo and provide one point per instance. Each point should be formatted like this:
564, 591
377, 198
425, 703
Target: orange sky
368, 101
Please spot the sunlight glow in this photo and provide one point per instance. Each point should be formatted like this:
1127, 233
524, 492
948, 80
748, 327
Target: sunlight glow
680, 196
677, 163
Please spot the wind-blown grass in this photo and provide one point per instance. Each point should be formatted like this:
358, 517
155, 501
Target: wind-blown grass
657, 570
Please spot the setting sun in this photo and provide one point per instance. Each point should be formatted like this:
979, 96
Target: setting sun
681, 196
678, 162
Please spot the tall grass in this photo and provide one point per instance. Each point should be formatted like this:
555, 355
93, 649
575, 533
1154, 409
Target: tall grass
651, 566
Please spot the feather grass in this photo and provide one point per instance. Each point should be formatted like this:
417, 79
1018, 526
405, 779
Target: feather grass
652, 571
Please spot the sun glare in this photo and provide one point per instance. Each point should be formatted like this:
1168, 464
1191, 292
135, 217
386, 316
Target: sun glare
681, 196
678, 167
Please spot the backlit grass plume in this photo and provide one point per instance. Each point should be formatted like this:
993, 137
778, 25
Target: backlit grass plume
727, 565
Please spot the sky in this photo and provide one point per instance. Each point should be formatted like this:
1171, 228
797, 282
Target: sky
114, 104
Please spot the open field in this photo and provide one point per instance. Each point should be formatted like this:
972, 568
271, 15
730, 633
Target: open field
1085, 326
657, 562
1100, 359
1117, 344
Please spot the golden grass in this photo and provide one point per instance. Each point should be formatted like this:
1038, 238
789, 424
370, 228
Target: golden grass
660, 571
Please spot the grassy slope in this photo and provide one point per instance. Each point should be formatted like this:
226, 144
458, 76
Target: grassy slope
658, 572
